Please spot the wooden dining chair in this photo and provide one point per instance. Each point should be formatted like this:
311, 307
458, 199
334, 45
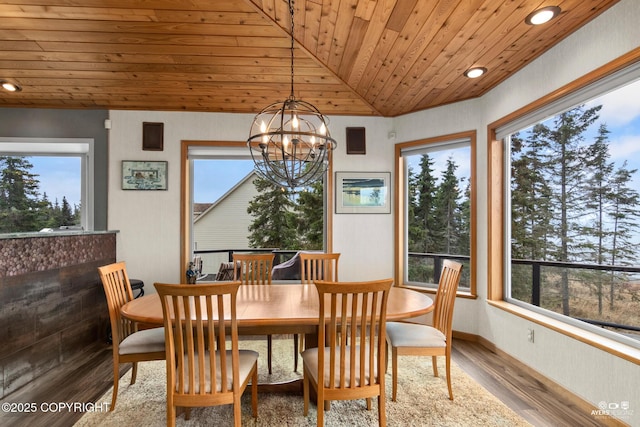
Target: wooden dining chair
314, 266
204, 364
349, 360
413, 339
129, 345
255, 269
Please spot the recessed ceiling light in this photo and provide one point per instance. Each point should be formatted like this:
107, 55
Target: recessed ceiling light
475, 72
10, 86
543, 15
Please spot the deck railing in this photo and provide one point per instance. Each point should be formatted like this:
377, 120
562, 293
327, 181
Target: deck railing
535, 281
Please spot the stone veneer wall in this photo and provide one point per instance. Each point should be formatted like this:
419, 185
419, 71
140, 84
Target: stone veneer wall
52, 305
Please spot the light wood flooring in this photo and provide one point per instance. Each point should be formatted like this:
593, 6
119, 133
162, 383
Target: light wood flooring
90, 377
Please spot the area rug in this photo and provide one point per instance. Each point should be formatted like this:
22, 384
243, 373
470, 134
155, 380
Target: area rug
422, 399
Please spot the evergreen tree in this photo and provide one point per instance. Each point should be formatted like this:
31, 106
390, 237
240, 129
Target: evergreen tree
66, 216
20, 207
274, 224
446, 210
414, 229
464, 228
310, 218
425, 229
565, 160
624, 212
531, 210
595, 235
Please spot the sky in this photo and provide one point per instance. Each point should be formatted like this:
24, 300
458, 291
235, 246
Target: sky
59, 177
621, 112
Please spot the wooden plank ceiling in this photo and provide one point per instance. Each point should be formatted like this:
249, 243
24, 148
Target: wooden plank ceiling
356, 57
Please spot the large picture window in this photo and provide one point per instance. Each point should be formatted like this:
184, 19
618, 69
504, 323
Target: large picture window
572, 208
436, 206
228, 207
44, 184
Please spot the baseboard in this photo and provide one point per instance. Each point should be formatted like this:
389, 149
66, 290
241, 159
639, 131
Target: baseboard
575, 400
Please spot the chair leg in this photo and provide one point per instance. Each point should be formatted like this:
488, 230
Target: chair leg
254, 392
320, 406
305, 393
116, 378
434, 362
368, 399
269, 352
171, 414
295, 352
382, 412
237, 413
448, 357
394, 373
134, 372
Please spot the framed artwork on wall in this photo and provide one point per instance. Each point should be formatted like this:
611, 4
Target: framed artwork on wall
363, 192
141, 175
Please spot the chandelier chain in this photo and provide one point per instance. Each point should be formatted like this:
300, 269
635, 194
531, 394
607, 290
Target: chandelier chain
292, 27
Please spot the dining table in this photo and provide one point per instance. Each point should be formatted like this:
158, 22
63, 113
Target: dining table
290, 308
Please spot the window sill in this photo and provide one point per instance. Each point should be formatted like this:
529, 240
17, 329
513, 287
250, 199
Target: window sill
429, 290
615, 348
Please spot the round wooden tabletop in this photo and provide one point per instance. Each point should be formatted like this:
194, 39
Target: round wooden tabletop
289, 307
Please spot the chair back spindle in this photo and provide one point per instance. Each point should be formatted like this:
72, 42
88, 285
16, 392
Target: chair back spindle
318, 266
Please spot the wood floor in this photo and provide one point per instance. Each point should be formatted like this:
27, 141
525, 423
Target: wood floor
88, 379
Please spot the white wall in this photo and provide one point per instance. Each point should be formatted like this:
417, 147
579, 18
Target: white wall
148, 221
365, 242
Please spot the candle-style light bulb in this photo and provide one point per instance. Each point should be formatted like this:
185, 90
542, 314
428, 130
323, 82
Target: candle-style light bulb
294, 122
263, 131
323, 129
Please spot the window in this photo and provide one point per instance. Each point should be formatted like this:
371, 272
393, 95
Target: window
218, 184
64, 174
436, 188
571, 213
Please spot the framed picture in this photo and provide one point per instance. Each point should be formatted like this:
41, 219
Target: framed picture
137, 175
363, 192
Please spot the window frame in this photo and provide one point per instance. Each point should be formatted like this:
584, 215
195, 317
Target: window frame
62, 147
401, 211
498, 162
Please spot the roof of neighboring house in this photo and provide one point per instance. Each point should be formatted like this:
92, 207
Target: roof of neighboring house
199, 208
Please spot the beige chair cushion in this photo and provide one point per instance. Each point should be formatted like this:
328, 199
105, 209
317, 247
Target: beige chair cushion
145, 341
414, 335
247, 359
310, 359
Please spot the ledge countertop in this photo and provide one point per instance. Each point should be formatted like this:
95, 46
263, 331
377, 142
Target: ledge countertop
55, 233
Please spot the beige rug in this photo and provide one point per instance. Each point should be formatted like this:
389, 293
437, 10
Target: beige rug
422, 399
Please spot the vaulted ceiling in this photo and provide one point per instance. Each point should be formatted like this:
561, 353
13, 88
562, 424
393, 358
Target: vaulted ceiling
355, 57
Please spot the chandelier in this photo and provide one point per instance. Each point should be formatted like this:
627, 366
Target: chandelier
289, 141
